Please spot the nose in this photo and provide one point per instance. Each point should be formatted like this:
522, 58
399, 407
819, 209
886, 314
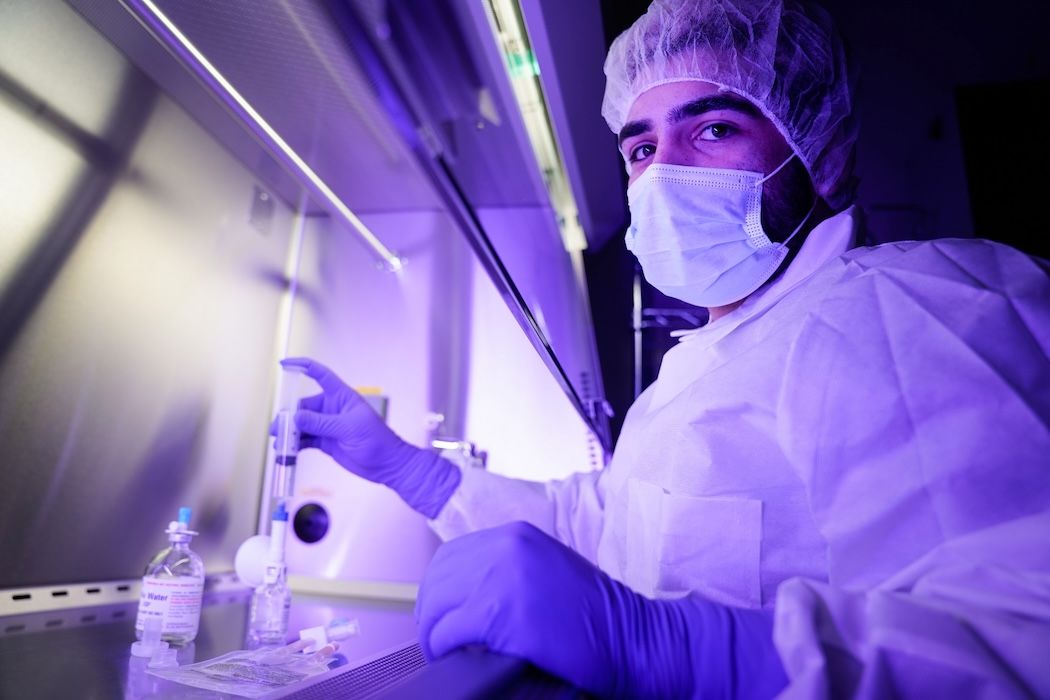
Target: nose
669, 152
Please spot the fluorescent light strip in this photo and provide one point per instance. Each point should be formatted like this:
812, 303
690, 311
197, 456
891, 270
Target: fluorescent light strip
508, 15
388, 257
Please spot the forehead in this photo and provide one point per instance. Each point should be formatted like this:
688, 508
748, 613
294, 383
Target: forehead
656, 102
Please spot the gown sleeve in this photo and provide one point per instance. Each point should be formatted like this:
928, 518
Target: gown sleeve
915, 408
569, 509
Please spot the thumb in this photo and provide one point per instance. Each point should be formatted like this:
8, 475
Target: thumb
458, 627
319, 424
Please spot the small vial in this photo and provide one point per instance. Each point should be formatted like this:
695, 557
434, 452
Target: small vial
172, 588
271, 601
269, 613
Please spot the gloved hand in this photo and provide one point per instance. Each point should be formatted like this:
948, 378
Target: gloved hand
343, 425
519, 592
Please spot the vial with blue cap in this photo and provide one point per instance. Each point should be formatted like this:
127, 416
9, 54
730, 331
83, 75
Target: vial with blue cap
172, 587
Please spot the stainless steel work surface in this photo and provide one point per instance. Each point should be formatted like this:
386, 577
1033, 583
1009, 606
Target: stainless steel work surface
84, 653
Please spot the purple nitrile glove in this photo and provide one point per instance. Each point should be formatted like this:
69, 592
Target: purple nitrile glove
343, 425
522, 593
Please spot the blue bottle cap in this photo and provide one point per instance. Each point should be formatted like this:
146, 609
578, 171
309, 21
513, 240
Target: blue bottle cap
184, 515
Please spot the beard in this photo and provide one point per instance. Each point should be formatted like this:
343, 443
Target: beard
786, 199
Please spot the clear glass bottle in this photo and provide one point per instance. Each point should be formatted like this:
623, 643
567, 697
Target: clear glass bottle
173, 586
269, 613
272, 599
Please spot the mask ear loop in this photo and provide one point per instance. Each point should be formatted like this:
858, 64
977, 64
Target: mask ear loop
776, 169
811, 208
802, 223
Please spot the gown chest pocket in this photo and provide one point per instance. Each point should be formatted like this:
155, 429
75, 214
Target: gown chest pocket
678, 543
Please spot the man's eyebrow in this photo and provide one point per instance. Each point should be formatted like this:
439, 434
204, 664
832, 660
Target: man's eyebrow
692, 108
633, 129
712, 103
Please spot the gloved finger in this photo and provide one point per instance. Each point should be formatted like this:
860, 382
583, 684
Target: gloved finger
312, 403
457, 570
273, 428
457, 628
326, 378
308, 441
441, 590
319, 424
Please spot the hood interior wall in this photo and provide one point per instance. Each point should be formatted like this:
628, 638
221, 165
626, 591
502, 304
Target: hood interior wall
139, 381
122, 30
363, 165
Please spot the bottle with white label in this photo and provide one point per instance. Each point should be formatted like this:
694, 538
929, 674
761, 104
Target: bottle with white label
173, 586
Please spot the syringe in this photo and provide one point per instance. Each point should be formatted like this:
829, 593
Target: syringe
286, 447
286, 444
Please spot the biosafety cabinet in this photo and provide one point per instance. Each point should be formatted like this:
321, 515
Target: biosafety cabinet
190, 191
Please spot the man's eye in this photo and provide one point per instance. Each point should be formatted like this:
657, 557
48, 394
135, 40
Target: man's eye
641, 152
715, 132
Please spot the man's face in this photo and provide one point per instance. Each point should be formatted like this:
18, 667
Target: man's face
694, 123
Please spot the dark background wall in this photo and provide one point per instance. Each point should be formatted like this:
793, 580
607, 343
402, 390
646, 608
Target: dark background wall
953, 144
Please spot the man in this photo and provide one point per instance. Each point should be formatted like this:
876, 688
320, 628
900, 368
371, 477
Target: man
838, 486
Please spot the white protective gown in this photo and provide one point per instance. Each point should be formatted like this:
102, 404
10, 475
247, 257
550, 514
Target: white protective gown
862, 446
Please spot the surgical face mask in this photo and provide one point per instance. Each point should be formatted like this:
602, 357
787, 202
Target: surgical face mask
697, 232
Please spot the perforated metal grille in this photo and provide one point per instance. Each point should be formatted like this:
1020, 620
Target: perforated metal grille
369, 679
